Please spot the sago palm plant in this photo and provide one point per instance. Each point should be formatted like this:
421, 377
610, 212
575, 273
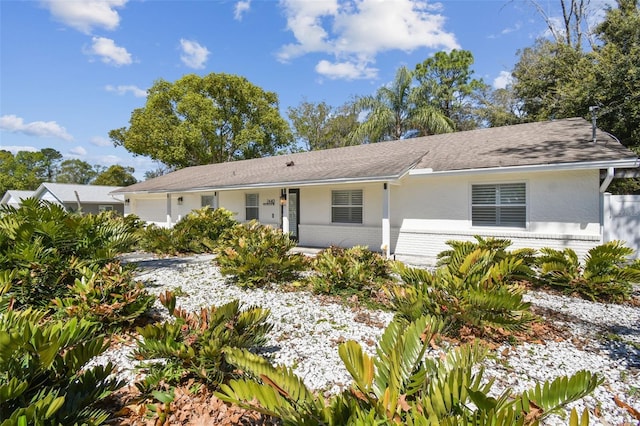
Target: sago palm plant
193, 345
477, 286
400, 386
606, 275
43, 374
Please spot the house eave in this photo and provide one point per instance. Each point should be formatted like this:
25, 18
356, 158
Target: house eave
583, 165
278, 185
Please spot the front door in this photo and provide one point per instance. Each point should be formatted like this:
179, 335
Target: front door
294, 210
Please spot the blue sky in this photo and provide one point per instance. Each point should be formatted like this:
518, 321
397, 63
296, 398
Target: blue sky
71, 71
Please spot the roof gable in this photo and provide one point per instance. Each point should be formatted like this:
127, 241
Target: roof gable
66, 193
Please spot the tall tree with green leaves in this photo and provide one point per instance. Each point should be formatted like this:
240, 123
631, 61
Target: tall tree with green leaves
116, 175
617, 73
205, 120
447, 83
321, 126
7, 167
552, 81
499, 107
396, 112
27, 170
76, 171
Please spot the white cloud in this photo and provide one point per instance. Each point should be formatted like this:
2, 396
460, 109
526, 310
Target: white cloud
86, 14
503, 80
44, 129
345, 70
509, 30
194, 55
124, 89
355, 32
241, 8
100, 141
109, 52
109, 159
78, 150
14, 149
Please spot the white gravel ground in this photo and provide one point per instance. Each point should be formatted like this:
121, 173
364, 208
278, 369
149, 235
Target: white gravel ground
604, 338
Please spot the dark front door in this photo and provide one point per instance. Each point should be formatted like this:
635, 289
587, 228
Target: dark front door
294, 212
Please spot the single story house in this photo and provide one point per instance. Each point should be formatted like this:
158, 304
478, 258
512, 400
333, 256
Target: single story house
84, 198
14, 197
537, 184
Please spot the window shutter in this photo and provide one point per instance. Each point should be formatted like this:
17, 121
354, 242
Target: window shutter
346, 206
499, 205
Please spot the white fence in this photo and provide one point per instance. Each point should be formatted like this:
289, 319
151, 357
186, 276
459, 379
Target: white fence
622, 220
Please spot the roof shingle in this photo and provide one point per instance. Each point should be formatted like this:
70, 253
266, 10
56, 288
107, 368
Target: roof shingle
540, 143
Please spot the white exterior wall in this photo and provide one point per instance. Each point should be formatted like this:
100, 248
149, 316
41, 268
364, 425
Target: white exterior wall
316, 229
562, 211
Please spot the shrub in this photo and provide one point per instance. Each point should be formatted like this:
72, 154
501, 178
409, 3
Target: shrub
192, 346
607, 274
256, 255
156, 239
348, 271
43, 373
107, 295
400, 386
47, 246
476, 286
198, 232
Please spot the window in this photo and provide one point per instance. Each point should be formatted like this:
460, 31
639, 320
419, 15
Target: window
251, 205
346, 206
499, 205
105, 208
206, 201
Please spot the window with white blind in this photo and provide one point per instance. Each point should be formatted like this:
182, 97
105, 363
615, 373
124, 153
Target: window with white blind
499, 205
251, 206
346, 206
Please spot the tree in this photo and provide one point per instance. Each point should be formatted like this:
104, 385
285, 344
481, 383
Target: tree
617, 73
204, 120
573, 26
395, 112
446, 83
320, 126
7, 167
160, 170
499, 107
76, 171
50, 160
116, 175
551, 80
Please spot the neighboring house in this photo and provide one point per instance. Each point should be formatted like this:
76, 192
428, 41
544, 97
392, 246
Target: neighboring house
84, 198
14, 197
537, 184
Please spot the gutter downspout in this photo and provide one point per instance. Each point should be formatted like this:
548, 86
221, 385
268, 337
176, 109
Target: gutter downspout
605, 206
607, 180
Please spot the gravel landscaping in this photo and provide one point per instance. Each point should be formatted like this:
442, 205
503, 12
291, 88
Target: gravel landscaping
602, 338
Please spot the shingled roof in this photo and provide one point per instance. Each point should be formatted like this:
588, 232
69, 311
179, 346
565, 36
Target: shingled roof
541, 143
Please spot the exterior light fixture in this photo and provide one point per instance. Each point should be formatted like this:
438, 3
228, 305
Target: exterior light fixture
283, 199
127, 201
180, 200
